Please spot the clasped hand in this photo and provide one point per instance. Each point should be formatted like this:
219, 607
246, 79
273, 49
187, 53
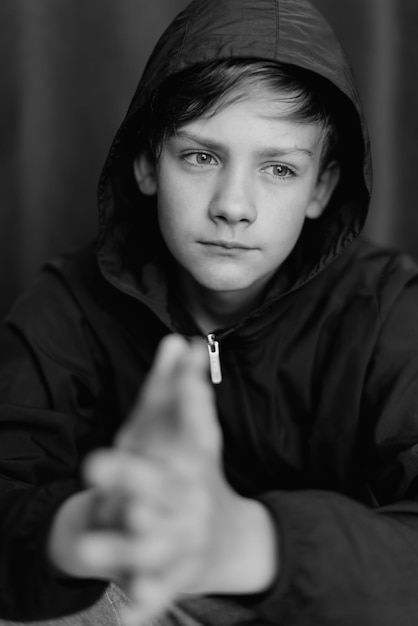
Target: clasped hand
160, 519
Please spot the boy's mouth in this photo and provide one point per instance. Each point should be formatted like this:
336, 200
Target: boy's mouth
227, 245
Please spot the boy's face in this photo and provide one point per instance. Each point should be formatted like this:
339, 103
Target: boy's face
233, 191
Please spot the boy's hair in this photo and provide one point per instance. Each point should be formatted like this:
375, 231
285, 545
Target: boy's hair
205, 88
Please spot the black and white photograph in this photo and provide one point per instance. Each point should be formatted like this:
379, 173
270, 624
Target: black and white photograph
209, 313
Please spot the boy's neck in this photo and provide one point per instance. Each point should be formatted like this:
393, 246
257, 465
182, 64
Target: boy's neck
212, 310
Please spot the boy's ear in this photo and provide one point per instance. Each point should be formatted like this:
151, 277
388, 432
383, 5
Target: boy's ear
325, 185
145, 175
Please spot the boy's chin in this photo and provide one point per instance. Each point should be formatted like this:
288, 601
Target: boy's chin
221, 284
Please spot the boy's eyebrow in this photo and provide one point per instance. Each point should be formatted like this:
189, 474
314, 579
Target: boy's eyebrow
270, 152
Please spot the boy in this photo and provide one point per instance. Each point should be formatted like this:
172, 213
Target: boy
283, 489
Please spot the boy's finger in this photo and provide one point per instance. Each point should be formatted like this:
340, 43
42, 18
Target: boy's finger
198, 357
116, 468
155, 397
171, 350
152, 554
176, 407
136, 474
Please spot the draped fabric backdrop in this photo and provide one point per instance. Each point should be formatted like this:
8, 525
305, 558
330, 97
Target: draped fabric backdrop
68, 70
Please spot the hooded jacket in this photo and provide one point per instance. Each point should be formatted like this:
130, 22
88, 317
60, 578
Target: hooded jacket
318, 404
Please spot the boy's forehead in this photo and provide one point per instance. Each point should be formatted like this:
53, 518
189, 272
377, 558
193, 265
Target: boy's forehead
262, 125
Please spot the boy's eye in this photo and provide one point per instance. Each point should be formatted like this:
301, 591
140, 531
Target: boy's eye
199, 158
279, 171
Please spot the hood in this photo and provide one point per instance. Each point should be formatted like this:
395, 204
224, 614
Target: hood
288, 31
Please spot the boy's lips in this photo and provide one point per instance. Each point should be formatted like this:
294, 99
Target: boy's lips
227, 245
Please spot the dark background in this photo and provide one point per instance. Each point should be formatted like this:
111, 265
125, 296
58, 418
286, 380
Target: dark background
68, 70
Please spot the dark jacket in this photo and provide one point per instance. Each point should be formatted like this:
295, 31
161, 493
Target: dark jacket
319, 402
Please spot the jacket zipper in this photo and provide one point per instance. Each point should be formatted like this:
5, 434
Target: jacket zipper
214, 359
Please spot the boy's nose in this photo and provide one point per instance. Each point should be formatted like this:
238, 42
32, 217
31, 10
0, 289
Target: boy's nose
233, 200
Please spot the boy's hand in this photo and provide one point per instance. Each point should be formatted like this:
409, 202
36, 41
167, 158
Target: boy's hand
163, 472
170, 522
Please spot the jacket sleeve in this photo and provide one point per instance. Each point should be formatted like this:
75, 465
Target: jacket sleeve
49, 410
341, 561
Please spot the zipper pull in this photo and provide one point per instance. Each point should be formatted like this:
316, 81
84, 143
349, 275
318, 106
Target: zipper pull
214, 360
